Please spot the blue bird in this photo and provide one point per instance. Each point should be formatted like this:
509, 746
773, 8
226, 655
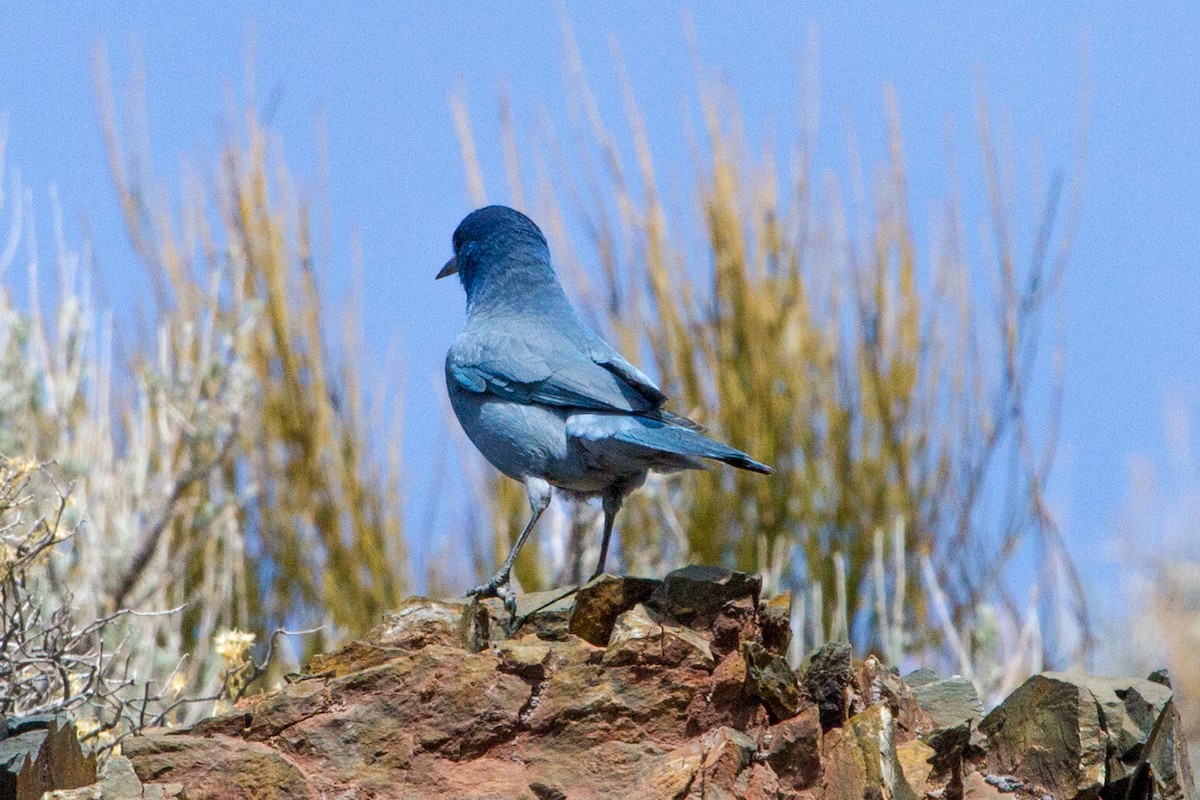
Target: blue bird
546, 400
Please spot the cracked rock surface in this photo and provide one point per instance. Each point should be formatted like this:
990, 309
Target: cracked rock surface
636, 688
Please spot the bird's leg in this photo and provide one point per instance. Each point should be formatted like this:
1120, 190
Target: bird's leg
612, 504
539, 498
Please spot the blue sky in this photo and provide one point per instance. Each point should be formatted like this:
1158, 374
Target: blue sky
380, 76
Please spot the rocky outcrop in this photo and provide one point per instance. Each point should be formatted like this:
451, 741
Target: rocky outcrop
645, 689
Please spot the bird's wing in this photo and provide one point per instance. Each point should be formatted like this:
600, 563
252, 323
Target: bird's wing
604, 355
611, 360
551, 370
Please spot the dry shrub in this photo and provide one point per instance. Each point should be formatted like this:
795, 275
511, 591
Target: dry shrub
55, 661
320, 510
226, 464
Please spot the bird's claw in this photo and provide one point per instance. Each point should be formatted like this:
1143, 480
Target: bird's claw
484, 590
497, 588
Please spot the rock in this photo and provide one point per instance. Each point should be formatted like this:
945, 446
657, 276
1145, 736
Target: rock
598, 604
921, 677
1129, 711
760, 783
1165, 771
828, 679
793, 749
362, 728
861, 759
1049, 734
354, 656
476, 627
444, 700
915, 762
41, 754
1162, 676
735, 624
727, 752
542, 713
950, 750
637, 638
1073, 734
544, 792
675, 776
525, 656
545, 614
118, 781
977, 787
218, 767
625, 703
728, 701
694, 594
16, 726
948, 701
463, 704
775, 617
868, 688
875, 683
771, 680
419, 622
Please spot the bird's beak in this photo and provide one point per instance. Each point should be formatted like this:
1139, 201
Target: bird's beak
450, 268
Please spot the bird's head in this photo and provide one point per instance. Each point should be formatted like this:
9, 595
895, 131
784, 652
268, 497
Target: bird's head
495, 241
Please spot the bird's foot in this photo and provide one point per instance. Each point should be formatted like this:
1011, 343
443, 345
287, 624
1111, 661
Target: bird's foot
497, 587
485, 590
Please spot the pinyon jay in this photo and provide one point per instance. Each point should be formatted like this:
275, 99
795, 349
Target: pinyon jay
546, 400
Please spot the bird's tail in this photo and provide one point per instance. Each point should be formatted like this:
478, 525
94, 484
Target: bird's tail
685, 442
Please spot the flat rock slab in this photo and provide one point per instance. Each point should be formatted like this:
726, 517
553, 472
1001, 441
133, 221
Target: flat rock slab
948, 701
641, 637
